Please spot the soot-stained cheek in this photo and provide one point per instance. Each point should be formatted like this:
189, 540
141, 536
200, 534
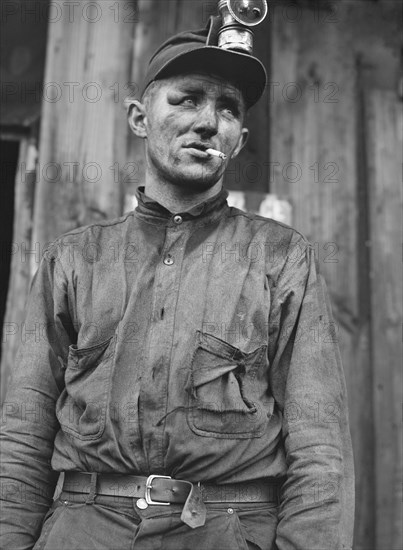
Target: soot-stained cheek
167, 128
173, 126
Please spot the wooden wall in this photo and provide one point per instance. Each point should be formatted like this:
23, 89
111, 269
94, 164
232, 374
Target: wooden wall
326, 136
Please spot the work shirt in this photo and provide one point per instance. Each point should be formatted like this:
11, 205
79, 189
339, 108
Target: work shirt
197, 345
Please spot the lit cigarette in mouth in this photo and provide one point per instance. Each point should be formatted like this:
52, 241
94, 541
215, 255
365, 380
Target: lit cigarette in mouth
215, 153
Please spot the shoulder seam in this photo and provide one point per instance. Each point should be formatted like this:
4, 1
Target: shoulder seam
237, 212
106, 223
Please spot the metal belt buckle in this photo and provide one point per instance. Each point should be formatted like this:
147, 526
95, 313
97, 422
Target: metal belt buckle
149, 486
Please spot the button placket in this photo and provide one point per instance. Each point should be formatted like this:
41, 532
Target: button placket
159, 344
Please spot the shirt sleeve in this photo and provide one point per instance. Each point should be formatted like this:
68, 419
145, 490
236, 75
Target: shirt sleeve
29, 422
307, 380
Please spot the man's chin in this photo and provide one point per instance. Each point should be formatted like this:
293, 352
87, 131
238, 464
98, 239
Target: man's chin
196, 181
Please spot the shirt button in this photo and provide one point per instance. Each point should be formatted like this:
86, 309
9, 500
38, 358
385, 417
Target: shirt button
178, 219
230, 510
168, 260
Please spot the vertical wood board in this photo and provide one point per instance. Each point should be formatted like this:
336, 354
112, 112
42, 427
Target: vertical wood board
385, 124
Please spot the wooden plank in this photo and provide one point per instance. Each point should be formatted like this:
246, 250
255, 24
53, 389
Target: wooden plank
314, 144
22, 260
84, 129
385, 144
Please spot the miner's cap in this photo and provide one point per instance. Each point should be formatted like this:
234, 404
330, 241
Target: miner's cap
193, 51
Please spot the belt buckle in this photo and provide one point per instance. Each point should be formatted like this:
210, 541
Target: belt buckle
149, 485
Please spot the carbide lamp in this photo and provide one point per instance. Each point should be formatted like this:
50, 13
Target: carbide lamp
237, 16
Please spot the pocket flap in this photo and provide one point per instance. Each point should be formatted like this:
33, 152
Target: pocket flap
207, 372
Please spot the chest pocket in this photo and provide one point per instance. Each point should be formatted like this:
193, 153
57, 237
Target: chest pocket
81, 408
227, 390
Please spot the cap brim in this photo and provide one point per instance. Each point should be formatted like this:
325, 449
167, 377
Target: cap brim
244, 71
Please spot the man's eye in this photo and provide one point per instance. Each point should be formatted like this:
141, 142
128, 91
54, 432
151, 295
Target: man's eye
189, 100
230, 110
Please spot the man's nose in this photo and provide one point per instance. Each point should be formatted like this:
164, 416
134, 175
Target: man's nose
207, 120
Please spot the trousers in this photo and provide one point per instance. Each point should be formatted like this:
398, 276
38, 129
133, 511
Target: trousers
116, 523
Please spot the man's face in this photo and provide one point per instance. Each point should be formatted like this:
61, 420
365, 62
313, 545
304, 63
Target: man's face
184, 116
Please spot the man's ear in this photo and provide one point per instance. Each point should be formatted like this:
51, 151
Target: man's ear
243, 138
137, 118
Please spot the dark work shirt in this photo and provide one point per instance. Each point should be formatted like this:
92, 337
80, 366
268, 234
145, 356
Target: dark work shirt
197, 345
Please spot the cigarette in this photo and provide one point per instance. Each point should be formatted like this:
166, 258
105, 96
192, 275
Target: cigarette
215, 153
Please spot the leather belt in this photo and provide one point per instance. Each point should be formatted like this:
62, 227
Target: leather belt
163, 490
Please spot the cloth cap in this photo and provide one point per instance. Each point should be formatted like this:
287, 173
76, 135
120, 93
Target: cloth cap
191, 51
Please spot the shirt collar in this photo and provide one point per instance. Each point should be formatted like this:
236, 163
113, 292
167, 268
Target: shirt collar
147, 205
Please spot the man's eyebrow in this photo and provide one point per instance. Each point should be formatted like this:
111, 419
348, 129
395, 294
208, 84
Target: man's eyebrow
235, 98
203, 86
189, 88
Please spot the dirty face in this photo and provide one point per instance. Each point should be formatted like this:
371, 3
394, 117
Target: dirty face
184, 116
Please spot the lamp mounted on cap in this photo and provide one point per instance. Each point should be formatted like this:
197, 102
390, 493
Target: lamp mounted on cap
237, 16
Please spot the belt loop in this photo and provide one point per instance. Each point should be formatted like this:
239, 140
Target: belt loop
93, 489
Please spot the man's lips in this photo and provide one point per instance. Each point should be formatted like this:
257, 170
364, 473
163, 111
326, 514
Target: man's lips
197, 152
198, 149
201, 145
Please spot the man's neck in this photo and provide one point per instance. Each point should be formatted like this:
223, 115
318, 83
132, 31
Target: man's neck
176, 199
